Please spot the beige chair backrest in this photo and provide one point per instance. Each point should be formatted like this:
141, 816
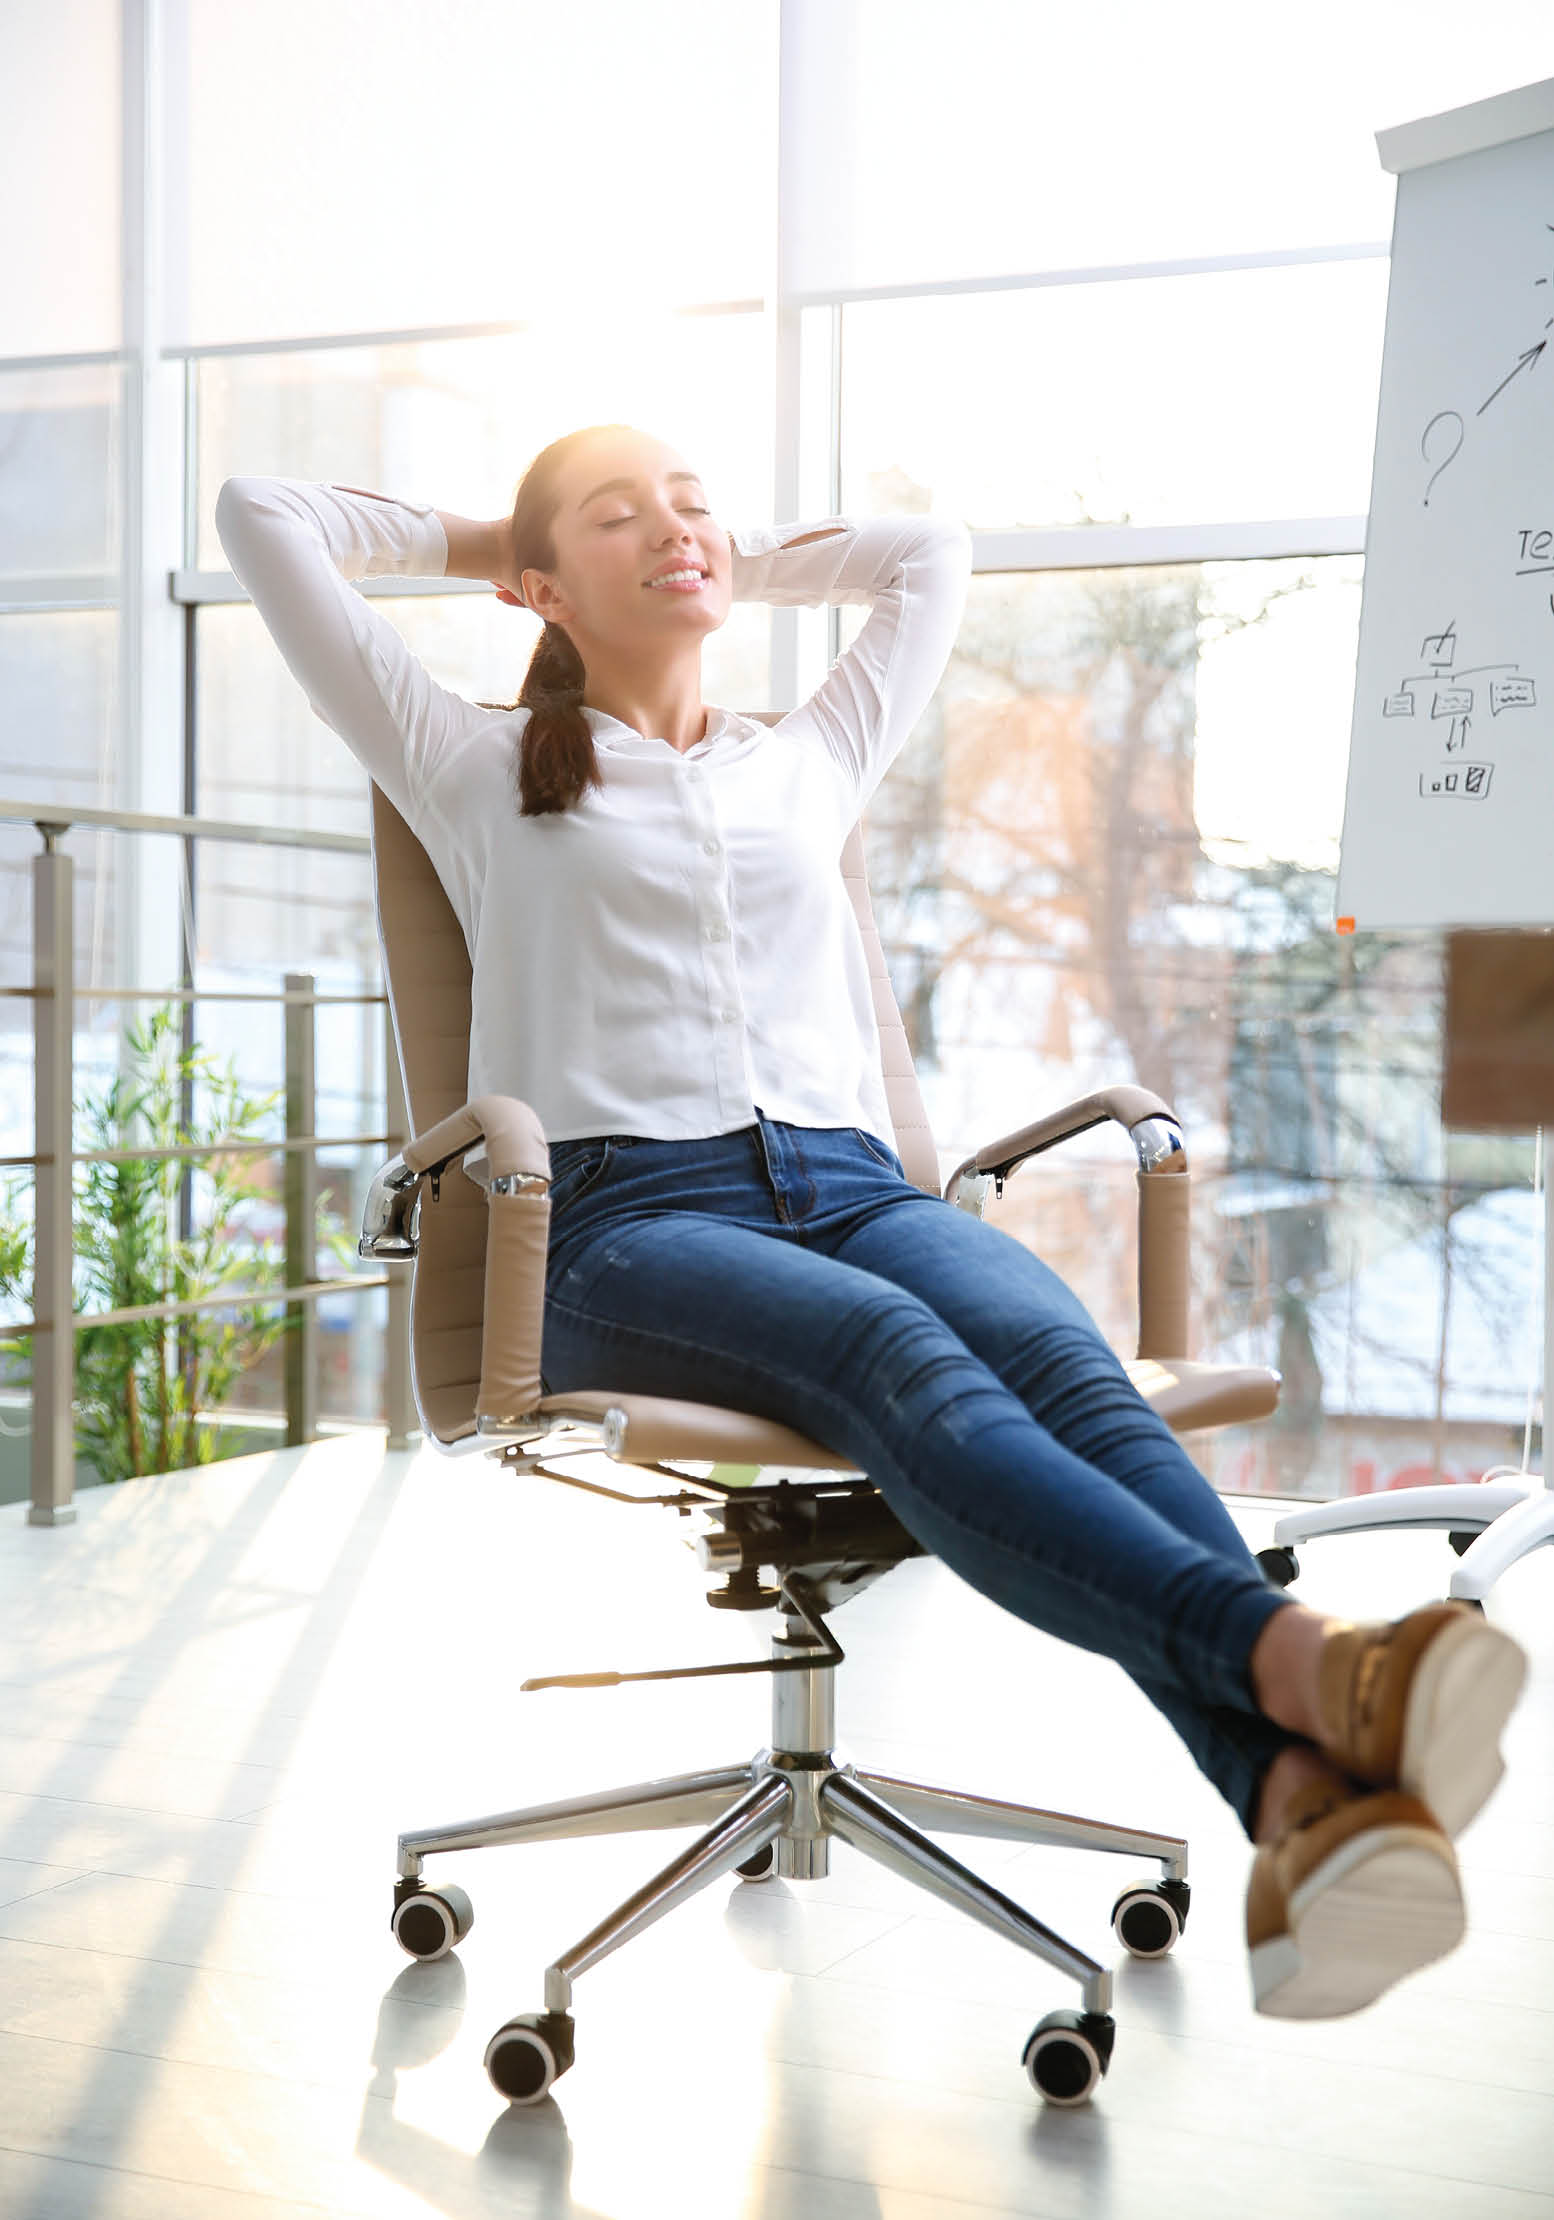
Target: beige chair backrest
426, 971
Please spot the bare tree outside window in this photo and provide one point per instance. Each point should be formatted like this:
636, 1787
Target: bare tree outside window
1055, 919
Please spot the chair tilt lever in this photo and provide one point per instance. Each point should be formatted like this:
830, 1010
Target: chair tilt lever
796, 1598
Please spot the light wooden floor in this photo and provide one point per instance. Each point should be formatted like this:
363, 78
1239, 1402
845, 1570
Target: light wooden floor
225, 1693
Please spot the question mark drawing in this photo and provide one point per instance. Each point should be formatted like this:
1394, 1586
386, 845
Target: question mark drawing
1444, 416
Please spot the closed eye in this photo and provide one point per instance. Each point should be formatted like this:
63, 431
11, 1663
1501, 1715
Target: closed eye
610, 523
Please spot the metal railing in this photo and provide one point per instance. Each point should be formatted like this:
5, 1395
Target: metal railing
55, 1321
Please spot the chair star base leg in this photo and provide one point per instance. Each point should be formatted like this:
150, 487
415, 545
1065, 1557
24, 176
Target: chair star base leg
1528, 1526
1451, 1504
962, 1814
680, 1801
860, 1818
747, 1827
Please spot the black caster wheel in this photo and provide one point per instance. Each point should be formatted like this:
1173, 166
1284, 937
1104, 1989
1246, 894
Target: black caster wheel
430, 1922
1281, 1566
526, 2055
1068, 2053
1462, 1541
1148, 1920
762, 1867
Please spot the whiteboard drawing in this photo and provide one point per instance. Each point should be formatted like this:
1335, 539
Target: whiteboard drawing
1448, 446
1449, 801
1465, 782
1447, 426
1450, 697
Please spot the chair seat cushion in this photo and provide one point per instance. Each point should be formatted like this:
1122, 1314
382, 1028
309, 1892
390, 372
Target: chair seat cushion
1188, 1396
664, 1428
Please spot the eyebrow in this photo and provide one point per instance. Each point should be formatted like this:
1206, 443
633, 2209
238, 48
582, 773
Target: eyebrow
625, 485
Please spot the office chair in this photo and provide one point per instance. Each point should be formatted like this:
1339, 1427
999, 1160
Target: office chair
801, 1547
1491, 1524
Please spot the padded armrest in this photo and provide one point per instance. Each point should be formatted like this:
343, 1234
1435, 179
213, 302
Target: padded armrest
1164, 1202
1127, 1106
517, 1236
511, 1130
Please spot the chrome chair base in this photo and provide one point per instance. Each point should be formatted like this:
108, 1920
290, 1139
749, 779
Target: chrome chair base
794, 1796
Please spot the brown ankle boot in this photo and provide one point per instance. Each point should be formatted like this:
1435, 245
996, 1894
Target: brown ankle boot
1356, 1890
1418, 1704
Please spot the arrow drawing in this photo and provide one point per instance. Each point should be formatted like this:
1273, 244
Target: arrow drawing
1531, 355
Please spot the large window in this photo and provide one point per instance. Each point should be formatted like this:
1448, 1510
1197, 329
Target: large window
1054, 272
385, 164
61, 153
1017, 137
1170, 400
1107, 855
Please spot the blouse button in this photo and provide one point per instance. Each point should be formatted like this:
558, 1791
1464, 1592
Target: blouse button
712, 846
717, 932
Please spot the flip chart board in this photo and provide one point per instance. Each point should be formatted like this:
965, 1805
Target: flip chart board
1449, 813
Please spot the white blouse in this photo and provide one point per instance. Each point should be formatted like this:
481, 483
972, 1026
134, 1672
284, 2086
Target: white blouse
679, 948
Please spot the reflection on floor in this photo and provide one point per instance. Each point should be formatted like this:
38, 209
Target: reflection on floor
225, 1693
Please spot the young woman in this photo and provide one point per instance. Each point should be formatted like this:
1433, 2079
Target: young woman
667, 967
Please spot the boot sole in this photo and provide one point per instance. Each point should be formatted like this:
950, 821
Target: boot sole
1463, 1690
1381, 1906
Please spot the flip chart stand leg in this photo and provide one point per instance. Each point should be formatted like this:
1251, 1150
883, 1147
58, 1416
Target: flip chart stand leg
1530, 1523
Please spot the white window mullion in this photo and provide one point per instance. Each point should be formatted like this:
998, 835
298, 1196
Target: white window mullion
147, 770
783, 676
834, 459
1124, 546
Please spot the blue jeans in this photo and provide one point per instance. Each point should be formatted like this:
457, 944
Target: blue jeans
794, 1272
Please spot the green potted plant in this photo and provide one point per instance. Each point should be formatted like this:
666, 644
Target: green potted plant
141, 1387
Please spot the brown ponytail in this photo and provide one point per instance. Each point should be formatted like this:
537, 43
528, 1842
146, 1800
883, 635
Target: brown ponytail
555, 759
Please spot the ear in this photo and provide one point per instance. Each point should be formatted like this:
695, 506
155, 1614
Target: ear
558, 609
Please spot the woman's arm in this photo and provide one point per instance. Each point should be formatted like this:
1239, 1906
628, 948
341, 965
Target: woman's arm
481, 551
295, 546
826, 532
912, 573
475, 550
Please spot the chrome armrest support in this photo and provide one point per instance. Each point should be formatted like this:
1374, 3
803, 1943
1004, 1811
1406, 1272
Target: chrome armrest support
968, 1190
1160, 1145
1151, 1124
391, 1218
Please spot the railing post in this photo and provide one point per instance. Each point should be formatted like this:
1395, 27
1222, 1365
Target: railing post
398, 1392
53, 1290
301, 1191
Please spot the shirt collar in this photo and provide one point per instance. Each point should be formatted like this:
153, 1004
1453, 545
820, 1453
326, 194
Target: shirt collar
610, 732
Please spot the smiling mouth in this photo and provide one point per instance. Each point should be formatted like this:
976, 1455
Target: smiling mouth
684, 580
